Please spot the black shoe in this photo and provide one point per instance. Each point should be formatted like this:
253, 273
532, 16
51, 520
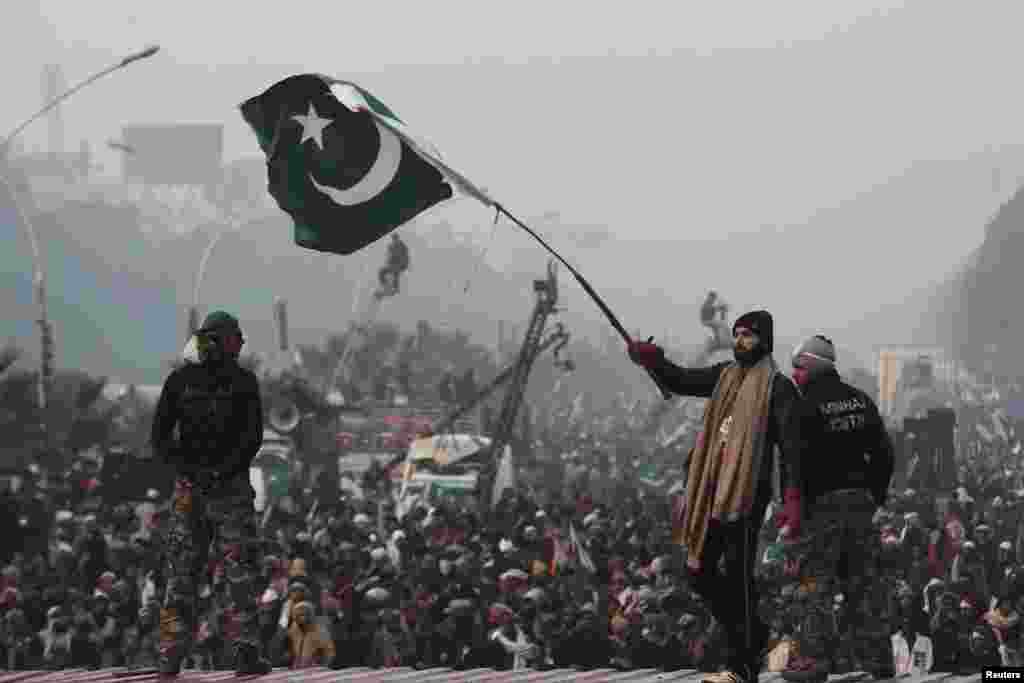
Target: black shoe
761, 647
248, 661
170, 661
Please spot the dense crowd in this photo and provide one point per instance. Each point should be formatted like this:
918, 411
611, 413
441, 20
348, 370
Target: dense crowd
584, 582
573, 567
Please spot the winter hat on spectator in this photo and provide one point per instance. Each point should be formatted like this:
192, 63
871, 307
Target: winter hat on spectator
514, 580
268, 599
9, 598
329, 603
660, 564
689, 619
460, 606
934, 585
500, 614
105, 583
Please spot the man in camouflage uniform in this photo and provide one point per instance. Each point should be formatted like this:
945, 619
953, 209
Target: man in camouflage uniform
846, 461
214, 406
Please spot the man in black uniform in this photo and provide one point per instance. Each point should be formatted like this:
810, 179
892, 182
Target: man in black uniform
214, 404
729, 479
846, 459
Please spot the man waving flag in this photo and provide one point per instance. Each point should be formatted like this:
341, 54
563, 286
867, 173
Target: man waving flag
340, 163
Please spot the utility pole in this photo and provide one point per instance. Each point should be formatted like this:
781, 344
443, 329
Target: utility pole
281, 317
193, 321
46, 347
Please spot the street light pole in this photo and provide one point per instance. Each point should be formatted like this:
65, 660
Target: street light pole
142, 54
232, 223
23, 215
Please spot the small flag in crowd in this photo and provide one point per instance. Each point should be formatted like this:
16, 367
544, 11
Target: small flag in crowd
582, 554
278, 478
648, 474
339, 162
505, 478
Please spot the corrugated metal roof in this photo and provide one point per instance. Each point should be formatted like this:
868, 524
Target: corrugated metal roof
407, 675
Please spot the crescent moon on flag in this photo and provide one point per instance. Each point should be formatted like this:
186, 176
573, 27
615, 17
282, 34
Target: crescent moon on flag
380, 175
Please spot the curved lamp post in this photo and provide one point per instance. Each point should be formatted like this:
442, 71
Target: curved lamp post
23, 214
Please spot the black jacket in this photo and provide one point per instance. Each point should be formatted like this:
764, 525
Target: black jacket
840, 439
701, 383
218, 415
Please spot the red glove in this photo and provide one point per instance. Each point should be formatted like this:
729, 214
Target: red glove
789, 520
645, 354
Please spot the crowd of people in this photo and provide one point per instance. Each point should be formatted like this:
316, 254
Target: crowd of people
578, 570
595, 583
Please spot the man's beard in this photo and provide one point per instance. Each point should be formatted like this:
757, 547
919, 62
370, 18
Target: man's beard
746, 358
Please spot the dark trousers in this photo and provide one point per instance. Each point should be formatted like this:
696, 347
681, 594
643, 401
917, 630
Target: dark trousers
202, 517
730, 591
839, 534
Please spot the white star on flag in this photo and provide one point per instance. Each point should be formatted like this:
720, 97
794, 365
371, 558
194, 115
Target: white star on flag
312, 126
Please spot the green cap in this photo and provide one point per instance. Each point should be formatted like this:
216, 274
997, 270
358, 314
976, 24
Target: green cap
219, 321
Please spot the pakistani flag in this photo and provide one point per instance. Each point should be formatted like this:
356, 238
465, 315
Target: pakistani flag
341, 163
276, 478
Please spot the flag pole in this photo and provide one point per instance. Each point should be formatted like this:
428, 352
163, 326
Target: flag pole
470, 189
586, 288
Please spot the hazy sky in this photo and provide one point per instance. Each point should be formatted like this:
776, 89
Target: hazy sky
663, 120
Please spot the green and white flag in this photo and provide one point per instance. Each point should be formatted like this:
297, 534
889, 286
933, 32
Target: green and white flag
343, 165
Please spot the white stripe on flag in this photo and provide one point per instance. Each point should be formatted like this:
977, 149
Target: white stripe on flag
460, 181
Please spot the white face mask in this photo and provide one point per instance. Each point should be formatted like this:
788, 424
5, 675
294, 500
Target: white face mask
191, 352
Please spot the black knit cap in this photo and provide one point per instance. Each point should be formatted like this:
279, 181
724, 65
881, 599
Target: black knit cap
219, 321
761, 324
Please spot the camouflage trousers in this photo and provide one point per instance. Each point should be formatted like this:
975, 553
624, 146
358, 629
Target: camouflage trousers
840, 553
221, 516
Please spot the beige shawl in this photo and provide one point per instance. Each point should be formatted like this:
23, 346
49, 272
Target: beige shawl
725, 464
